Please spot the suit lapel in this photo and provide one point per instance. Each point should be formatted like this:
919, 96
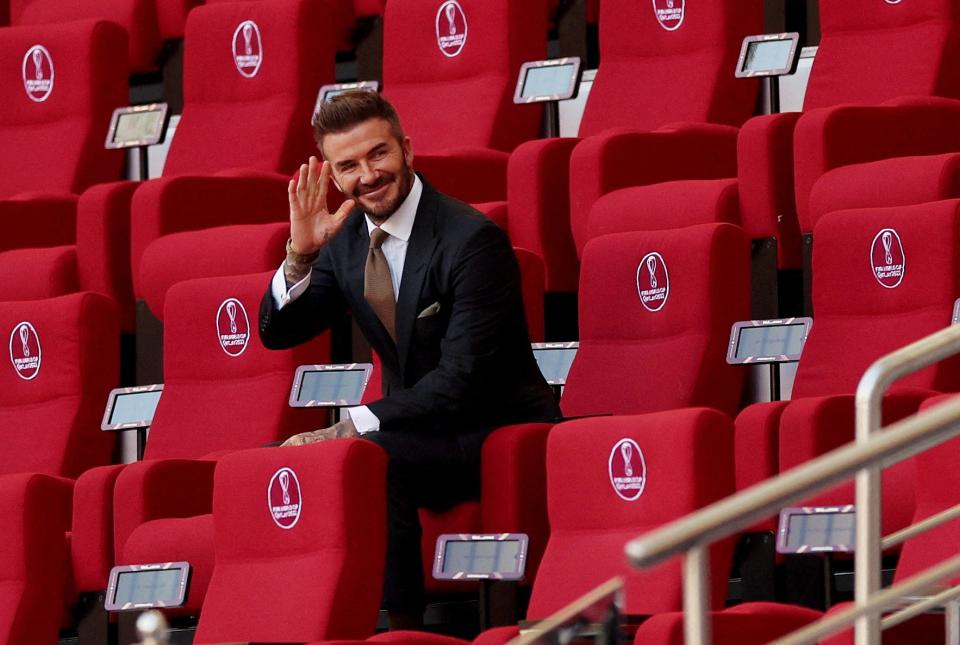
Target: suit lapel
423, 240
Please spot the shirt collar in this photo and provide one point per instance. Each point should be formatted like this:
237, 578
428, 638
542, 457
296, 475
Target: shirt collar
400, 224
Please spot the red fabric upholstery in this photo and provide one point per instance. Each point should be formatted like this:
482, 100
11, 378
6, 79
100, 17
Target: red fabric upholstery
883, 38
684, 341
50, 410
33, 566
319, 578
198, 371
91, 544
672, 204
448, 172
845, 291
538, 218
747, 624
828, 139
758, 442
38, 219
616, 159
462, 518
637, 85
172, 17
218, 251
449, 101
56, 145
137, 17
341, 16
532, 285
765, 174
686, 457
23, 281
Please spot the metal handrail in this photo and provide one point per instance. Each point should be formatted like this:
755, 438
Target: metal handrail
864, 459
924, 525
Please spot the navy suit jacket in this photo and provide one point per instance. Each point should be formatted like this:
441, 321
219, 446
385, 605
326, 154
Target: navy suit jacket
468, 368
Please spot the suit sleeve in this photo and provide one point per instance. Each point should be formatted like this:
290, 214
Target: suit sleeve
485, 285
306, 316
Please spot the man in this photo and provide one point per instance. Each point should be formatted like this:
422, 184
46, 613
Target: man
435, 288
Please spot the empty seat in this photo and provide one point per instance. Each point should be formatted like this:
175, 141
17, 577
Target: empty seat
59, 87
450, 69
609, 480
223, 391
310, 564
883, 278
658, 67
251, 74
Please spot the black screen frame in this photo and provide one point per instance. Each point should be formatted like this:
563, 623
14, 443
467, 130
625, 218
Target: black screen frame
294, 399
110, 600
793, 58
552, 347
783, 531
115, 393
572, 90
735, 331
158, 136
516, 574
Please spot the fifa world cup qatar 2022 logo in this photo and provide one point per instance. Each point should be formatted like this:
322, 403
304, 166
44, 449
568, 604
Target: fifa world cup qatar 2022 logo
247, 48
628, 470
653, 282
25, 352
887, 259
451, 28
38, 73
283, 498
233, 327
669, 13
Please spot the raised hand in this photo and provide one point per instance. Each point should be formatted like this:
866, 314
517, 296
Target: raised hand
311, 223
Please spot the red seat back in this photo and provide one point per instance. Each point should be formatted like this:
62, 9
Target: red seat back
679, 462
658, 344
858, 317
450, 68
314, 547
223, 389
664, 62
54, 119
61, 360
251, 109
137, 17
871, 51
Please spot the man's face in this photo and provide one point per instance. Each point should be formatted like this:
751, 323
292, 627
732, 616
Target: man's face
371, 166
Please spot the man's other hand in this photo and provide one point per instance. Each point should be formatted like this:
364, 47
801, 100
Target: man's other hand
342, 430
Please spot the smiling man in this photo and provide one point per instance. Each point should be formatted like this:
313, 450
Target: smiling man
435, 288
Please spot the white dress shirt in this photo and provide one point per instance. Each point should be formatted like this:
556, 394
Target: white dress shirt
398, 227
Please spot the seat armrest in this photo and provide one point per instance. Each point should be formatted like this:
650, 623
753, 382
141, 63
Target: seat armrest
91, 547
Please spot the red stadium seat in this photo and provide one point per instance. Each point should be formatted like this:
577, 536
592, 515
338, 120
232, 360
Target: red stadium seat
62, 362
450, 69
609, 480
246, 117
748, 624
33, 566
656, 70
861, 317
137, 17
658, 341
310, 565
223, 391
172, 17
59, 87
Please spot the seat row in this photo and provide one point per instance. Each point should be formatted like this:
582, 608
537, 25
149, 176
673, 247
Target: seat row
653, 339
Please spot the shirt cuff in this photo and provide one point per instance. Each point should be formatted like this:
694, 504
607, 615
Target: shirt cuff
363, 419
283, 296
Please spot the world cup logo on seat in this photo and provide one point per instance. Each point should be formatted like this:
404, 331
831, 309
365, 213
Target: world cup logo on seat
888, 262
233, 327
284, 498
669, 13
25, 351
247, 49
37, 73
653, 291
451, 27
627, 469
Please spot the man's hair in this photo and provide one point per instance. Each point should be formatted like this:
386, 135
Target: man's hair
344, 111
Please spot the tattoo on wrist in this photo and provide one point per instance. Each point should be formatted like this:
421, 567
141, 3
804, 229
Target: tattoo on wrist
294, 273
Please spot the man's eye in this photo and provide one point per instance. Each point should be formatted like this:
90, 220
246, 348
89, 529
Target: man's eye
379, 154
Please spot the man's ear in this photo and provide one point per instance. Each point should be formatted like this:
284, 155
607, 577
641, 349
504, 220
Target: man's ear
407, 151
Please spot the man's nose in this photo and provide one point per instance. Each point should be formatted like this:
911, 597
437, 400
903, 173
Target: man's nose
368, 175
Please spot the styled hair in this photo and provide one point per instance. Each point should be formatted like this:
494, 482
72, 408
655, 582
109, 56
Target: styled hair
344, 111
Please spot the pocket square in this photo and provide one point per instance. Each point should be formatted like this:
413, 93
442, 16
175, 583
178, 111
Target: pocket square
429, 311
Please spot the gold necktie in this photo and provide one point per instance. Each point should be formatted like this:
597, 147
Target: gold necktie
377, 283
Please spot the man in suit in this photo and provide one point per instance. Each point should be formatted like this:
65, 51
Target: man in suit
435, 288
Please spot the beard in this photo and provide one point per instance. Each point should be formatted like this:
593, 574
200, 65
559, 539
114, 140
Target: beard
397, 188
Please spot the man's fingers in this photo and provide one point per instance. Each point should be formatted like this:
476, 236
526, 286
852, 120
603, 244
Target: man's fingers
341, 215
324, 183
301, 177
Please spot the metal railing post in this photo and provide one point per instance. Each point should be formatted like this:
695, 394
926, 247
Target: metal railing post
868, 499
696, 596
952, 618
